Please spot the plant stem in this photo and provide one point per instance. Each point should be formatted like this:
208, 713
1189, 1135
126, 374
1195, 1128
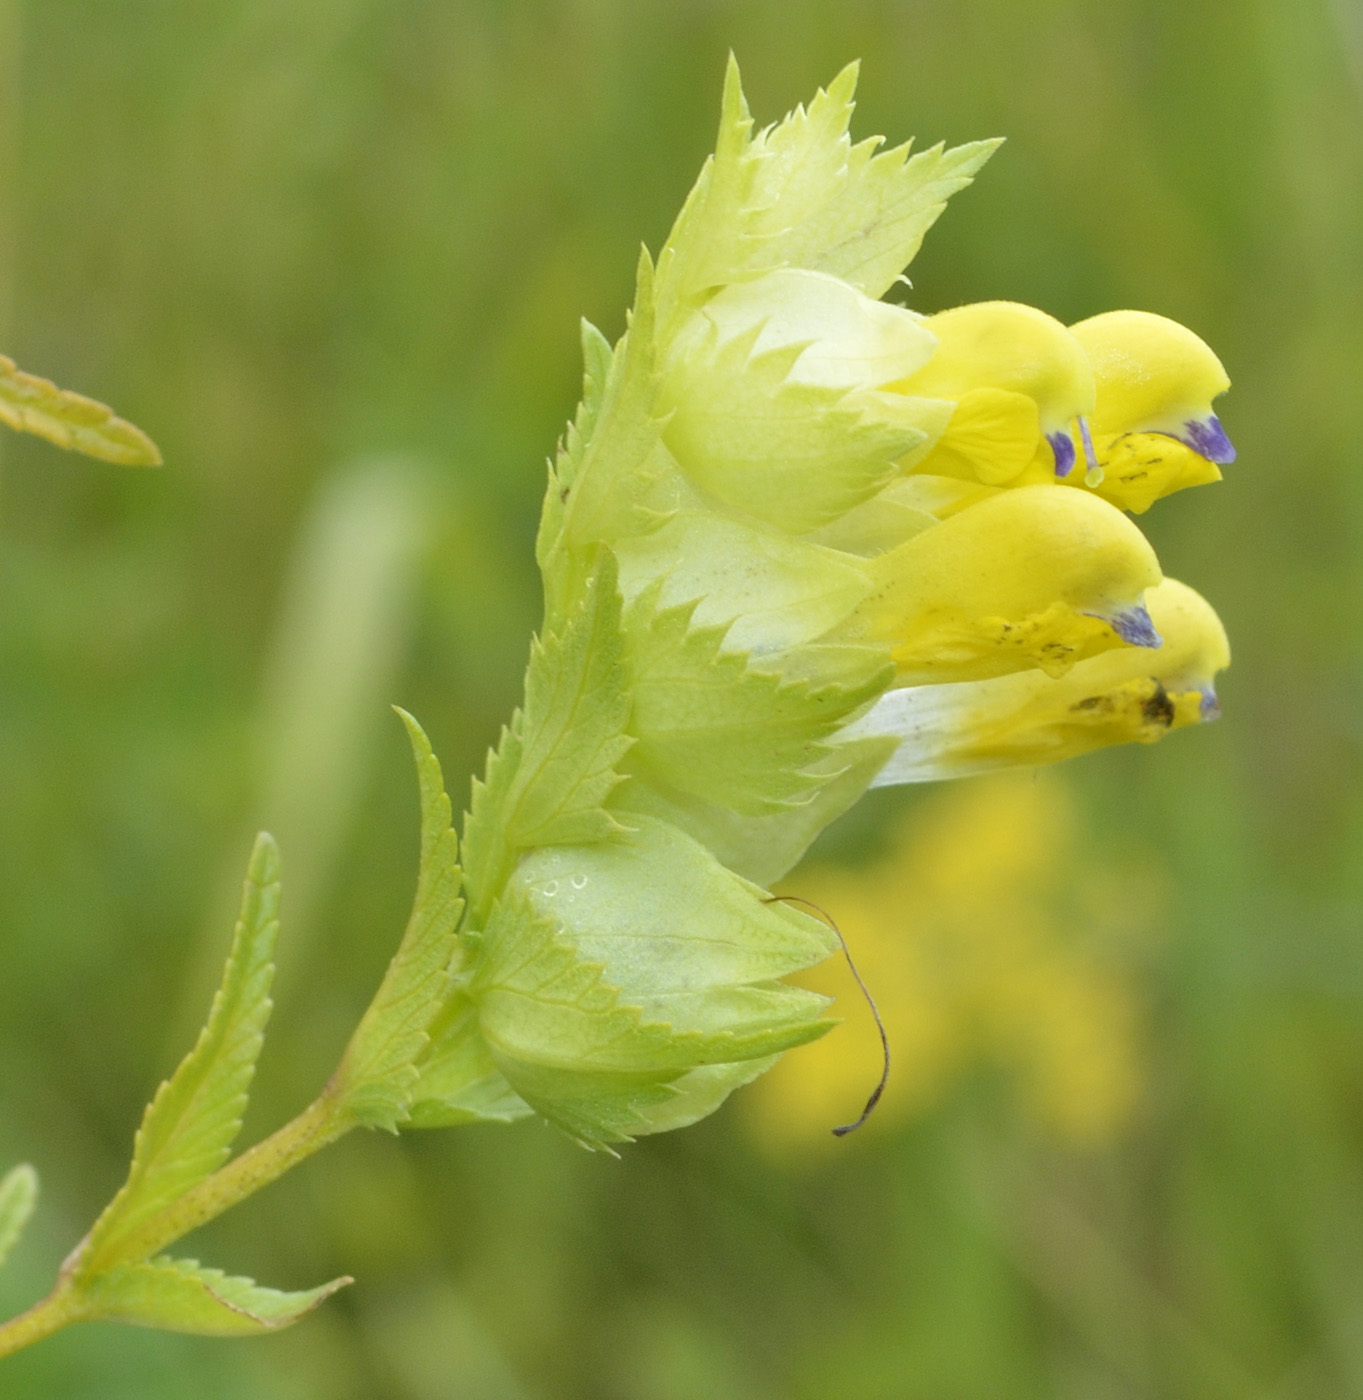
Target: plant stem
320, 1124
57, 1310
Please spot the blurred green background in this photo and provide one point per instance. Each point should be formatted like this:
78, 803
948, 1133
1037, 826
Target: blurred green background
331, 255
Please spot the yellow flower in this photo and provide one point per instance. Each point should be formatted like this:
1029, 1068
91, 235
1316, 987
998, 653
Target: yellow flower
1017, 378
1037, 577
1028, 718
1153, 428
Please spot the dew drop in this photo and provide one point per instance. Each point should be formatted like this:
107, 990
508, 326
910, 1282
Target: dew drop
579, 882
549, 890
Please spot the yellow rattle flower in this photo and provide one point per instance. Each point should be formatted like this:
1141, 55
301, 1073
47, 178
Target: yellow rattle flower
951, 731
1037, 577
1018, 378
1153, 428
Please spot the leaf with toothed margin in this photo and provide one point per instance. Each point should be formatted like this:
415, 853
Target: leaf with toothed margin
178, 1295
18, 1197
188, 1130
799, 194
29, 404
613, 476
791, 454
733, 730
379, 1068
764, 848
558, 762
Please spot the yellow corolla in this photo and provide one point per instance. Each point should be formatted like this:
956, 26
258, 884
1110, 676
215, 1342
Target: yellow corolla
1036, 577
1018, 378
1153, 428
950, 731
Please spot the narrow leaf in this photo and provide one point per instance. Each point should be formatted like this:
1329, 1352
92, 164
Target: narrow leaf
32, 405
379, 1069
18, 1197
177, 1295
190, 1126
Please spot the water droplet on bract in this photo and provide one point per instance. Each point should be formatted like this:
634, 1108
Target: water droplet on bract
549, 890
579, 882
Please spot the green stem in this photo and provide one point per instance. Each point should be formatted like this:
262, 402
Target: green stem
60, 1308
320, 1124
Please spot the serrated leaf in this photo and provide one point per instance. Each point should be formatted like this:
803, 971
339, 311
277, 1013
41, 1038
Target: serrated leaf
18, 1199
29, 404
712, 724
820, 202
763, 849
613, 476
557, 765
799, 194
770, 591
459, 1080
707, 241
379, 1069
792, 454
178, 1295
189, 1127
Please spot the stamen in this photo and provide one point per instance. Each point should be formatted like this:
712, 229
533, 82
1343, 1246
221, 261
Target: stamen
1095, 474
827, 918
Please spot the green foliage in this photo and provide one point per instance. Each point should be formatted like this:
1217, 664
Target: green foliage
459, 1081
596, 996
557, 763
18, 1199
808, 455
178, 1295
189, 1127
729, 728
801, 195
377, 1075
614, 477
29, 404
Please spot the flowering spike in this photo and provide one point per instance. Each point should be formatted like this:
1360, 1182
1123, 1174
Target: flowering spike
796, 541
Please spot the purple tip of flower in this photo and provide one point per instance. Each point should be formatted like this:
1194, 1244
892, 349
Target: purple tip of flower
1208, 438
1062, 444
1133, 625
1210, 708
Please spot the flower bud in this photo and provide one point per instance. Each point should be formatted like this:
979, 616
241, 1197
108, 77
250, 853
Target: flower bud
609, 1013
951, 731
774, 403
1036, 577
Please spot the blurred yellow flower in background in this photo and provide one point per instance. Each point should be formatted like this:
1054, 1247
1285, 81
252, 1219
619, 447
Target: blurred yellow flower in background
990, 938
